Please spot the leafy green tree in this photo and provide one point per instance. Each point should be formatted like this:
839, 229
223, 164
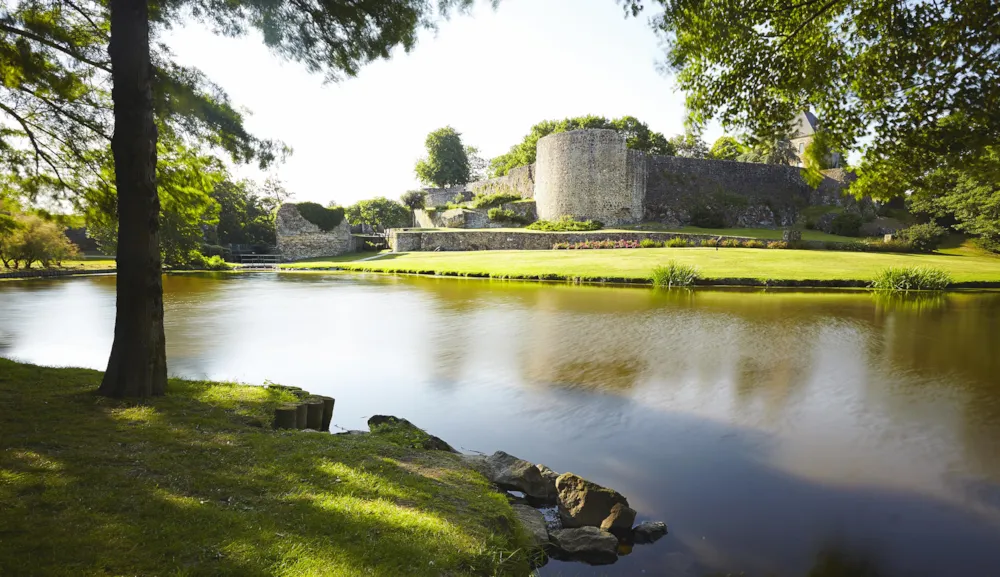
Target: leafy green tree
29, 238
380, 213
58, 59
689, 145
726, 148
638, 136
919, 79
776, 151
414, 199
247, 212
971, 196
447, 160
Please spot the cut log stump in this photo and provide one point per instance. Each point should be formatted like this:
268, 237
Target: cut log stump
314, 413
301, 415
327, 412
286, 417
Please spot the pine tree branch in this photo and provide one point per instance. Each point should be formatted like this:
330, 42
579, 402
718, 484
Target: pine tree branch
54, 45
39, 154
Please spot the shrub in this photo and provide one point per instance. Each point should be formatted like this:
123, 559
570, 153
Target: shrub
649, 243
777, 244
846, 224
924, 237
565, 223
495, 199
458, 198
910, 278
753, 244
705, 217
498, 214
678, 242
325, 218
988, 243
414, 199
674, 274
730, 242
595, 244
710, 242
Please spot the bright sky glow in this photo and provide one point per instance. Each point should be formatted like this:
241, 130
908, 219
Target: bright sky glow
491, 75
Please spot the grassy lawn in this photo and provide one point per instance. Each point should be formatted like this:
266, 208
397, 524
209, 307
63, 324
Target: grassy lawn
637, 263
91, 263
762, 233
196, 483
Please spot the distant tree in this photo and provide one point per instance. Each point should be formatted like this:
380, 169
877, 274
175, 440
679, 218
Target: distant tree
28, 238
777, 151
447, 160
971, 196
726, 148
247, 211
689, 145
380, 213
638, 136
414, 199
478, 166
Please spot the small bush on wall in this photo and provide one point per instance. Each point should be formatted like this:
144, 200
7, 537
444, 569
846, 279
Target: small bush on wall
564, 224
498, 214
488, 200
325, 218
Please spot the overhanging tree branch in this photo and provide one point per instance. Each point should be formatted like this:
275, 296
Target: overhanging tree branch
55, 46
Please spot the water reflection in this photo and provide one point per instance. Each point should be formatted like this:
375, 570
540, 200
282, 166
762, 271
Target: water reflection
763, 426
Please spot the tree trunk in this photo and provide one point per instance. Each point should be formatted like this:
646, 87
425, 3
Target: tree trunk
137, 366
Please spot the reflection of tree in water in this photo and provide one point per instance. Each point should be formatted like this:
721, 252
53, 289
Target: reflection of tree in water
839, 562
909, 302
611, 375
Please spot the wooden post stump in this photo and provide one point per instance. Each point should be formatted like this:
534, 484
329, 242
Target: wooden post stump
286, 417
301, 415
314, 413
327, 412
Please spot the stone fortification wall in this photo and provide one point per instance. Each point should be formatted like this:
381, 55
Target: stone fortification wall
743, 194
298, 238
589, 174
472, 217
409, 240
519, 181
442, 196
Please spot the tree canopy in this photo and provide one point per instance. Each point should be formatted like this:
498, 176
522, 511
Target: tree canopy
638, 136
380, 213
726, 148
914, 85
447, 160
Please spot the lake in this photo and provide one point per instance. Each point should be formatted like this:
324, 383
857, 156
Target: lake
776, 433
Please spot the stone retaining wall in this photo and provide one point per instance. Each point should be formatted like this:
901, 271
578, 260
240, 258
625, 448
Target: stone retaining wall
519, 181
411, 240
298, 238
472, 218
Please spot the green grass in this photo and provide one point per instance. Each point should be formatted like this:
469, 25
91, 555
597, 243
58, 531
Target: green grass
760, 264
196, 483
761, 233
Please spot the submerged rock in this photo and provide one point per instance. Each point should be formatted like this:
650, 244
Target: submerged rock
534, 524
413, 434
649, 531
512, 474
587, 544
586, 504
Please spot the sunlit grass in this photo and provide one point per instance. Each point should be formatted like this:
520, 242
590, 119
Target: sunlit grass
196, 483
761, 264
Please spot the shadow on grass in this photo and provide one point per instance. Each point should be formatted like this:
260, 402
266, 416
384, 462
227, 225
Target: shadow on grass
187, 485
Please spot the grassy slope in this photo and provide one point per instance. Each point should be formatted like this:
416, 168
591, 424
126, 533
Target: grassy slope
637, 263
186, 485
762, 233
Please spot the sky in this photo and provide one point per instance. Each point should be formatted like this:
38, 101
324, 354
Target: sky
490, 74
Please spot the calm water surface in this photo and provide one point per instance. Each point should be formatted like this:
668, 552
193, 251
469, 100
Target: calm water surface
775, 433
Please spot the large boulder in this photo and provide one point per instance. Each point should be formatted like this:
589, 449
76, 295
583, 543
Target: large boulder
512, 474
586, 504
588, 544
407, 433
534, 523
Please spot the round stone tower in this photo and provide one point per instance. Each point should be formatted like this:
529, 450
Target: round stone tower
589, 174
